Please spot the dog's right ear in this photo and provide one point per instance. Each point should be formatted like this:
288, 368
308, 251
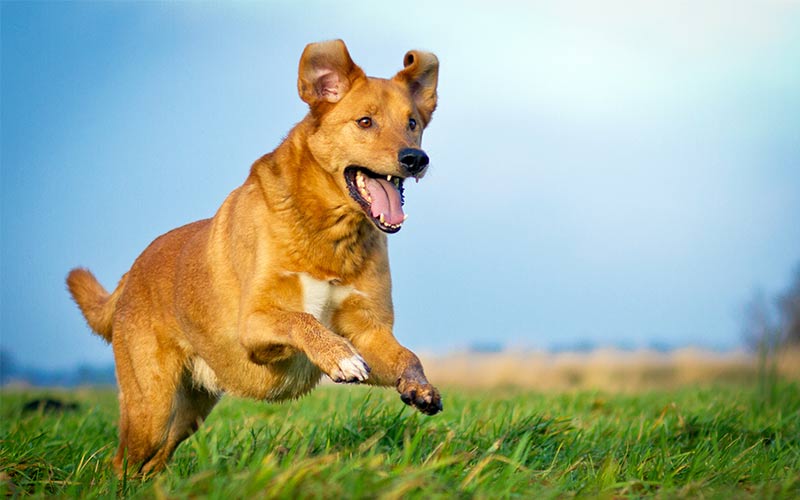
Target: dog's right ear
326, 73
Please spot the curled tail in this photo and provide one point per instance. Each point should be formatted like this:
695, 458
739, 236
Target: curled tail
95, 302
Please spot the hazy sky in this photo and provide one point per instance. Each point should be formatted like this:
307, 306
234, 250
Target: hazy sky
613, 172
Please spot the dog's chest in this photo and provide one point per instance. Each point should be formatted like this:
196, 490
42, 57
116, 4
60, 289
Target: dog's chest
321, 298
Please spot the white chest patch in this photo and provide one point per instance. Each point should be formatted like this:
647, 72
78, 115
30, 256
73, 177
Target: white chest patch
322, 298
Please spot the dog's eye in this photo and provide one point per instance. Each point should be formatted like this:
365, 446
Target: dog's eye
365, 122
412, 123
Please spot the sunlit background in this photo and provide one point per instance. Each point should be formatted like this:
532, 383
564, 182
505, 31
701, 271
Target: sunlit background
603, 173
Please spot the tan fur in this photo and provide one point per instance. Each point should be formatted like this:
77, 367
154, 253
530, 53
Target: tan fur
95, 302
218, 305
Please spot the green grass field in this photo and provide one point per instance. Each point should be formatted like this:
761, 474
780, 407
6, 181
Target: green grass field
354, 442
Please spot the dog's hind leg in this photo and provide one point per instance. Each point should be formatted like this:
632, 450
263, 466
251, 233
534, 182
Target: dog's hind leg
158, 405
191, 405
144, 427
145, 414
152, 426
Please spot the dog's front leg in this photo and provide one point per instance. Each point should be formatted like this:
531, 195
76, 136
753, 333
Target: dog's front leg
391, 364
272, 335
413, 386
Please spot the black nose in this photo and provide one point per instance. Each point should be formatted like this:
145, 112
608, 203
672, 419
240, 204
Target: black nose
413, 160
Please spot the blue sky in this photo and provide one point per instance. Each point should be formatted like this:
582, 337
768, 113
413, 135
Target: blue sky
606, 172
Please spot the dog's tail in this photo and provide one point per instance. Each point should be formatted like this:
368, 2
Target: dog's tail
96, 304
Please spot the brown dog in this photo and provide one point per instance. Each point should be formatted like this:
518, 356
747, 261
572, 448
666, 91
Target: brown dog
290, 278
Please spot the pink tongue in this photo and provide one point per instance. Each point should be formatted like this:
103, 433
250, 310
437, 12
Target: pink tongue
385, 200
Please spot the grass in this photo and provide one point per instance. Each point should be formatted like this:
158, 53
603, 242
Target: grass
353, 442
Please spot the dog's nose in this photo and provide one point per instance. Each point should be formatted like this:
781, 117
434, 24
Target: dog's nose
413, 160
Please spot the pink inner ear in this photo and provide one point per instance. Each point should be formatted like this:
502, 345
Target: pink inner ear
327, 84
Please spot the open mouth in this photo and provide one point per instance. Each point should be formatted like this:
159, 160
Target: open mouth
381, 197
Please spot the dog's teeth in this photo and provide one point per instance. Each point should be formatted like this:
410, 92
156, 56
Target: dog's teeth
362, 190
389, 178
382, 218
405, 217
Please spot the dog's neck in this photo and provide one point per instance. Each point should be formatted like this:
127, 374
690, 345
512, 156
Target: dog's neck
321, 232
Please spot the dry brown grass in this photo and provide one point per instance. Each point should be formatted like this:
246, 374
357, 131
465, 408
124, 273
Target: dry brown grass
605, 369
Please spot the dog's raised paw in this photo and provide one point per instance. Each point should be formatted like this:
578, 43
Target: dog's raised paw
424, 397
351, 370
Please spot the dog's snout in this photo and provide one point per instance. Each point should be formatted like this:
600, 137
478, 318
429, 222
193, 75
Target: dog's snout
413, 160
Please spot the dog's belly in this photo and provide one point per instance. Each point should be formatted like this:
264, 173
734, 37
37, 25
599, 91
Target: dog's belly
286, 379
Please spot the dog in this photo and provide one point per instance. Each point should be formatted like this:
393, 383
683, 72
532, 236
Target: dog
289, 280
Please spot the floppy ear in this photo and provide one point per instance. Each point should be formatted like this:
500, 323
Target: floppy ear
326, 72
421, 74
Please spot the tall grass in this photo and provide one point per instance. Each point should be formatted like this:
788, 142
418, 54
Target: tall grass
353, 442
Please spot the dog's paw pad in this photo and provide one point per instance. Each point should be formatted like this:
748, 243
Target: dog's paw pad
424, 397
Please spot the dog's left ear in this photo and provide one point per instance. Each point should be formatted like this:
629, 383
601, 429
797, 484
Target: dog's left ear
326, 73
421, 74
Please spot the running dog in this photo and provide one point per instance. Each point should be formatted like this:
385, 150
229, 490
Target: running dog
290, 278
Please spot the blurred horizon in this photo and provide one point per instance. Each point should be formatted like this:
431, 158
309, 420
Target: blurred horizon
603, 173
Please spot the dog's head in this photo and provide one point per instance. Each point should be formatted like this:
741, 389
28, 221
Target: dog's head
368, 131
